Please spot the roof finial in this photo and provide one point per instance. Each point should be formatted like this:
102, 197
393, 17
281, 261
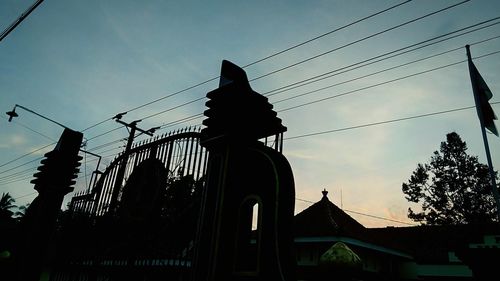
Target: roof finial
325, 193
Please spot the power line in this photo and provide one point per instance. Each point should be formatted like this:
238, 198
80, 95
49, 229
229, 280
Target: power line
383, 122
8, 170
383, 83
288, 87
345, 93
26, 195
29, 128
359, 40
345, 128
359, 213
350, 92
384, 56
358, 65
377, 217
26, 13
260, 60
376, 72
170, 109
327, 33
297, 45
17, 175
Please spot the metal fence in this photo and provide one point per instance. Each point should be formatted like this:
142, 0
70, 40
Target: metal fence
144, 226
179, 151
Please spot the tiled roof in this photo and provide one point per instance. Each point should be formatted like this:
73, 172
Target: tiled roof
324, 218
426, 244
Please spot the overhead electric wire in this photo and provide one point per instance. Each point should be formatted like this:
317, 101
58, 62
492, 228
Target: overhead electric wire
29, 128
24, 178
31, 161
350, 127
346, 93
383, 122
105, 133
200, 115
172, 108
367, 62
383, 83
24, 155
358, 40
13, 25
22, 173
287, 87
300, 62
383, 57
262, 59
377, 72
326, 33
359, 213
377, 217
383, 70
106, 144
191, 101
26, 195
290, 48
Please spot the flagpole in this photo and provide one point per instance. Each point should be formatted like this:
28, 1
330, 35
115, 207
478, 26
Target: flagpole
494, 188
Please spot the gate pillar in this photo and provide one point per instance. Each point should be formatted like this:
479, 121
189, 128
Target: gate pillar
245, 227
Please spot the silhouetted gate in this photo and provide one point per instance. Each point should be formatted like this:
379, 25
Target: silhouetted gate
149, 232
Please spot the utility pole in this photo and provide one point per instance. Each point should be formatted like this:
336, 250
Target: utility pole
121, 170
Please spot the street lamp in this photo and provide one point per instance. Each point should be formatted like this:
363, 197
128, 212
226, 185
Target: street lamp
13, 114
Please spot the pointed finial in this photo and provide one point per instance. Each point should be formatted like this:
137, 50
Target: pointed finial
325, 193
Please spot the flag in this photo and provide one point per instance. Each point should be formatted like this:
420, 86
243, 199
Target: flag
482, 94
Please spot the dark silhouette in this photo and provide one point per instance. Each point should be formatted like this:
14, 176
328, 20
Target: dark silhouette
170, 209
245, 179
8, 232
54, 180
6, 204
454, 188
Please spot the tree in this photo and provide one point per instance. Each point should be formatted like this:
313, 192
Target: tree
21, 212
454, 188
6, 203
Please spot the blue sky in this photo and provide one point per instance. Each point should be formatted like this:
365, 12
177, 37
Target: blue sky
81, 62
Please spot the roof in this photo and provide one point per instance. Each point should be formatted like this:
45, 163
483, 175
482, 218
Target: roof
324, 218
431, 243
428, 244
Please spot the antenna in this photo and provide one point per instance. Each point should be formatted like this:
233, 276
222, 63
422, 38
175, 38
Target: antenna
341, 205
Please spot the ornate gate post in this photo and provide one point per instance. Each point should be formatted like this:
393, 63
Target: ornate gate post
54, 180
245, 228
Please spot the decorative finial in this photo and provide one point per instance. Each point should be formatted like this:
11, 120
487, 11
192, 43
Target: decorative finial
325, 193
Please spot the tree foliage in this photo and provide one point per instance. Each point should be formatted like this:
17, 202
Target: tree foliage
454, 188
6, 204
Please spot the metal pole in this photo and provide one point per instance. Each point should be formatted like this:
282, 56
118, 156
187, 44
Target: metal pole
121, 171
494, 188
123, 165
473, 78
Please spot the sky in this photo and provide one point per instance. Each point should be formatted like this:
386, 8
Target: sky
81, 62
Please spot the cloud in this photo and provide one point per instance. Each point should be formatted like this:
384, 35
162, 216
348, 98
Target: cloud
13, 141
